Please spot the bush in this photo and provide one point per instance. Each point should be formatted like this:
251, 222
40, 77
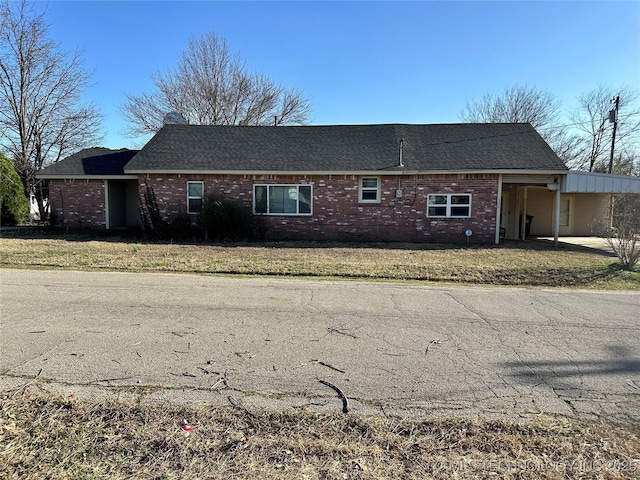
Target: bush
621, 229
180, 227
227, 220
150, 216
14, 206
220, 220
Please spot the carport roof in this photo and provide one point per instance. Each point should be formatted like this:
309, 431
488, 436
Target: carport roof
588, 182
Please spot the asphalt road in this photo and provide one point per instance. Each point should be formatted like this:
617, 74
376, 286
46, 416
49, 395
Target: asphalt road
389, 347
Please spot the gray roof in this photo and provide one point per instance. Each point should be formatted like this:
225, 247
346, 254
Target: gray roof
346, 148
97, 161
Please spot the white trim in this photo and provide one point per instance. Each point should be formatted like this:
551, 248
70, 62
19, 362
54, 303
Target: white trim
362, 189
448, 205
347, 172
189, 197
87, 177
135, 174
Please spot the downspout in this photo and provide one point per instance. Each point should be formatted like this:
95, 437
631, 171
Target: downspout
499, 208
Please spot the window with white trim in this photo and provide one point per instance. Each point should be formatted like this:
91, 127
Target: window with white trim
369, 191
282, 199
195, 197
451, 205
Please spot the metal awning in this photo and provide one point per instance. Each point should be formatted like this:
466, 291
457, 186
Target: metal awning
587, 182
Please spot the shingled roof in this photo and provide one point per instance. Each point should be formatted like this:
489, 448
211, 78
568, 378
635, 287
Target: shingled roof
346, 148
97, 161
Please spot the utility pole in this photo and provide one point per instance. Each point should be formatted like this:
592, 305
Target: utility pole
613, 118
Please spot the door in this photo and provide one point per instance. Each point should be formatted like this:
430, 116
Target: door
566, 216
503, 214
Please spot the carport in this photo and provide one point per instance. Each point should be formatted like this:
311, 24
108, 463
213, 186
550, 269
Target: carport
559, 206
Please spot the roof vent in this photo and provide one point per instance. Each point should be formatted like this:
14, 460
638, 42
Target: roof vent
174, 118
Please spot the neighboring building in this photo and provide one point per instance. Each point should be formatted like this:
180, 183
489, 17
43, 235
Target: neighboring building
443, 183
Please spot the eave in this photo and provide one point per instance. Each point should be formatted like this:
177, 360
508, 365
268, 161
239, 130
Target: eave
347, 172
87, 177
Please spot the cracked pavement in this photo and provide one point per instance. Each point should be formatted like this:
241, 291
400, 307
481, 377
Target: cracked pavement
405, 349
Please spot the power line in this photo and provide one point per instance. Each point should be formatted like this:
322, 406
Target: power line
604, 117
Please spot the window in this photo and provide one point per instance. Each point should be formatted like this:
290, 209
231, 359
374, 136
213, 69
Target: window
282, 199
195, 195
449, 206
369, 190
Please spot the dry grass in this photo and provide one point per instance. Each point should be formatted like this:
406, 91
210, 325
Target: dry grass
43, 435
46, 436
520, 264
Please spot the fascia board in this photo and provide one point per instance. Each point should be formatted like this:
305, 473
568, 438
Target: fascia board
345, 172
86, 177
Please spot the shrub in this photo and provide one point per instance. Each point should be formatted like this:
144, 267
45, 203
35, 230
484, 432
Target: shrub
621, 229
150, 216
180, 227
14, 206
227, 220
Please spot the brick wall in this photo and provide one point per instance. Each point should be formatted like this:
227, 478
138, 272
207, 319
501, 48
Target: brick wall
337, 214
78, 203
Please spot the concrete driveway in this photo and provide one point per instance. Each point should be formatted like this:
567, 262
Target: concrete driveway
591, 244
394, 348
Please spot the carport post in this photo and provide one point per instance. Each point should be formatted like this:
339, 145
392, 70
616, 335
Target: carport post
556, 220
499, 208
523, 217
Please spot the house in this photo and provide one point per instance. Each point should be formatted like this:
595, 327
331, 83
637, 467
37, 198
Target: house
448, 183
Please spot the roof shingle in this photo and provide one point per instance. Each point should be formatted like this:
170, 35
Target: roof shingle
338, 148
91, 161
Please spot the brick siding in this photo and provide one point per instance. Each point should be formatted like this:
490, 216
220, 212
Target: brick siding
337, 214
78, 203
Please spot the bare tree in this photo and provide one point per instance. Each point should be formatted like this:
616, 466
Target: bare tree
591, 119
518, 104
523, 104
621, 228
211, 86
41, 117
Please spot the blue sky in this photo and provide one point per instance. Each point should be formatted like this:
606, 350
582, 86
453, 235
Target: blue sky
361, 62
